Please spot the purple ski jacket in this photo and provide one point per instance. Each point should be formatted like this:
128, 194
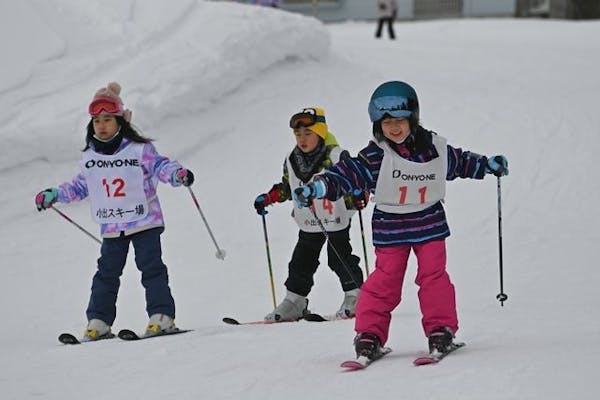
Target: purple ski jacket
155, 167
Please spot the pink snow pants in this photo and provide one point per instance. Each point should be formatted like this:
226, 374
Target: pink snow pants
382, 291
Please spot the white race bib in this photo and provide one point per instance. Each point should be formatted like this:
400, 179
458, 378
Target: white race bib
405, 186
116, 185
333, 214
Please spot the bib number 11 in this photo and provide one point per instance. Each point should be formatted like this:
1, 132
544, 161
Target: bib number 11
404, 192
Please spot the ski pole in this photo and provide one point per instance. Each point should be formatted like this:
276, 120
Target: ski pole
312, 208
82, 229
362, 234
264, 224
220, 253
502, 297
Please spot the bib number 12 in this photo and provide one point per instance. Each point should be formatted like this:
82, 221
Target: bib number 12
114, 188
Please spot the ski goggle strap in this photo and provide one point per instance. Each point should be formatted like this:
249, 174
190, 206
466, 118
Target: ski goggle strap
105, 104
395, 106
307, 117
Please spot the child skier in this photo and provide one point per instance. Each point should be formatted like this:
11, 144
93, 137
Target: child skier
316, 148
120, 170
406, 167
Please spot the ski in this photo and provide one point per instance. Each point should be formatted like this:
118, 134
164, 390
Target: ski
313, 317
436, 357
363, 362
233, 321
67, 338
129, 335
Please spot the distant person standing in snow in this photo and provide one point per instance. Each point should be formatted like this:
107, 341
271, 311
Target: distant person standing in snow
406, 167
120, 170
316, 148
388, 10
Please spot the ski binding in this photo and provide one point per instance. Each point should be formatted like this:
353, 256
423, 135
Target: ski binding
363, 362
436, 357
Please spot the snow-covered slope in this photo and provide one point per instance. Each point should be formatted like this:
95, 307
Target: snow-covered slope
215, 83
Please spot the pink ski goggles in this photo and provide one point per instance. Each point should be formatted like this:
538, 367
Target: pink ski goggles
106, 105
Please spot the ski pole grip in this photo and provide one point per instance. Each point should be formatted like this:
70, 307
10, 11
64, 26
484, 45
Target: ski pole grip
501, 168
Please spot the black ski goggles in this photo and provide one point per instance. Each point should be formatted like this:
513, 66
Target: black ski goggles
307, 117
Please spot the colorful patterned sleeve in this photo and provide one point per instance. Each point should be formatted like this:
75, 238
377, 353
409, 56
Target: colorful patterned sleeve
352, 173
75, 190
465, 164
159, 166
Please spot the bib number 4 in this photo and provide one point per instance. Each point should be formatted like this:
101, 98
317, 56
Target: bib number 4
327, 206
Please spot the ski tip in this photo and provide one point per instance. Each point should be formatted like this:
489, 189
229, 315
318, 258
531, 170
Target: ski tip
424, 361
67, 338
352, 365
231, 321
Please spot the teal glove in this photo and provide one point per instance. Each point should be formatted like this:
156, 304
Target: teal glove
183, 177
45, 198
497, 165
304, 195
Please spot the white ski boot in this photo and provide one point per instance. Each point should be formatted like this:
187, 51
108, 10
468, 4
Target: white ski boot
160, 323
348, 308
96, 329
292, 308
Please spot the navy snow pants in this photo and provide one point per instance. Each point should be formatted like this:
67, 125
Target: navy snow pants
155, 279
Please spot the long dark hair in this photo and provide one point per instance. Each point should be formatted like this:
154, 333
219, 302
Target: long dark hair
126, 130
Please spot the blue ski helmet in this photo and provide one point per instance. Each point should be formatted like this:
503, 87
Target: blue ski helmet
395, 98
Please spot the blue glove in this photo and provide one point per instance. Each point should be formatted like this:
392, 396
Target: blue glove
183, 177
45, 198
497, 165
360, 199
304, 195
262, 200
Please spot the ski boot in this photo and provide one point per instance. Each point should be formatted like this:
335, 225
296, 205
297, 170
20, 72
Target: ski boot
292, 308
367, 345
348, 307
97, 330
160, 324
440, 340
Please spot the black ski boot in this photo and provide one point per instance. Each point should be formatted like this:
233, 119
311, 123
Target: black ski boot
367, 345
440, 340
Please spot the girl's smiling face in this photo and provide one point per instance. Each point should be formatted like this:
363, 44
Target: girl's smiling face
395, 129
105, 126
306, 140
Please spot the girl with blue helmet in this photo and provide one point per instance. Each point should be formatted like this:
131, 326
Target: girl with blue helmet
406, 167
